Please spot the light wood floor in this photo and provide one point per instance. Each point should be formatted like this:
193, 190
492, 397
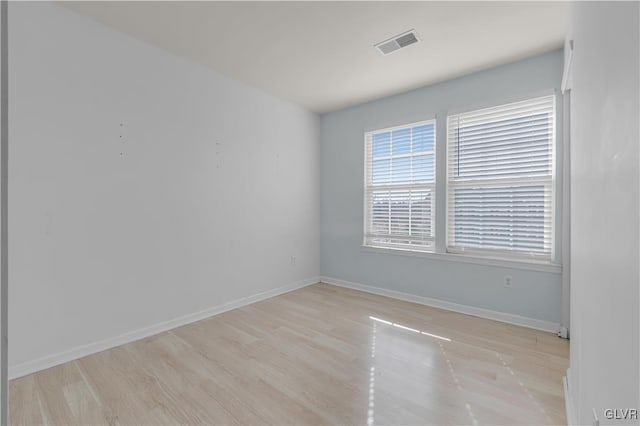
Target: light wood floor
319, 355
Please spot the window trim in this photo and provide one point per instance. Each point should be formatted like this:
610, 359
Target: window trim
499, 256
522, 264
503, 101
431, 186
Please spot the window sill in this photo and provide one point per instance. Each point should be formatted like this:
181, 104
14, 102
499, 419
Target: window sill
465, 258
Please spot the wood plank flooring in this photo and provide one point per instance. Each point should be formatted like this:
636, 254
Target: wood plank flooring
318, 355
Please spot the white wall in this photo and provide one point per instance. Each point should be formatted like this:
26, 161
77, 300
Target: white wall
604, 209
143, 187
535, 295
3, 213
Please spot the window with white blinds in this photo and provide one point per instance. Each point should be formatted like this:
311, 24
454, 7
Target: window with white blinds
500, 178
399, 187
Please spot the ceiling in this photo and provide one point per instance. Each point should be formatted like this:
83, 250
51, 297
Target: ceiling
320, 54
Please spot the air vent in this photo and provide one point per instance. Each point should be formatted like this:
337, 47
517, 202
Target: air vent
398, 42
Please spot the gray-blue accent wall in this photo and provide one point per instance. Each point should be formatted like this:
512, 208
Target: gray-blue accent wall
534, 294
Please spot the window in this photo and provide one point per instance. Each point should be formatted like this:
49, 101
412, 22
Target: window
399, 187
500, 179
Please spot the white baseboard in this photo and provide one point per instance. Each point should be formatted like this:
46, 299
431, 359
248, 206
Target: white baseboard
568, 401
537, 324
29, 367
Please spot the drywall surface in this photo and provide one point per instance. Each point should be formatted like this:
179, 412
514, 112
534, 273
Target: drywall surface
534, 294
604, 209
143, 187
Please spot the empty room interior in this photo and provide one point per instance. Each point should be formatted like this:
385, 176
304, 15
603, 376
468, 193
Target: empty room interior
320, 212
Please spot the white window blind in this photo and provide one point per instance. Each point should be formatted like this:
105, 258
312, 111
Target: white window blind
399, 187
500, 180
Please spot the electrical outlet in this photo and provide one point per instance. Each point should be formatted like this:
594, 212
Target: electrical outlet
507, 281
293, 260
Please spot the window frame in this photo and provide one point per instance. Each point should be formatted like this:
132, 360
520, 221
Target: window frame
368, 184
552, 182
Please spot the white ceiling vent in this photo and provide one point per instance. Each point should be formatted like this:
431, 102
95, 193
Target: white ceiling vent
397, 42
